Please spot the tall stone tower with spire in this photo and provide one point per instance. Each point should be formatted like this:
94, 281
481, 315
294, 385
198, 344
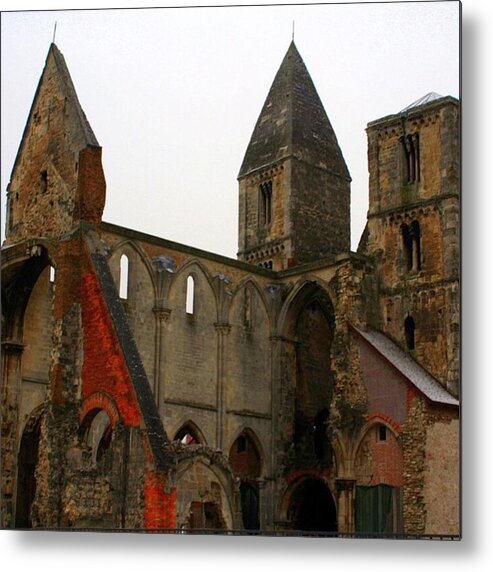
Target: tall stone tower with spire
294, 185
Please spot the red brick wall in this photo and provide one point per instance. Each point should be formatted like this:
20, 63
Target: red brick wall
160, 507
387, 391
104, 368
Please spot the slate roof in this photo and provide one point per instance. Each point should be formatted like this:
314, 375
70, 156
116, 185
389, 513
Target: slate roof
293, 122
408, 367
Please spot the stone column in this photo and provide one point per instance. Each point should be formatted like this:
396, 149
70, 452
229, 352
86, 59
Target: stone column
222, 330
161, 315
345, 505
11, 396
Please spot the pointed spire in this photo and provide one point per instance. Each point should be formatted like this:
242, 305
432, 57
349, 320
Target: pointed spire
293, 122
68, 86
60, 158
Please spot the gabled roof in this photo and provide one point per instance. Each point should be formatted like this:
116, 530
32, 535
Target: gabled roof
293, 122
407, 367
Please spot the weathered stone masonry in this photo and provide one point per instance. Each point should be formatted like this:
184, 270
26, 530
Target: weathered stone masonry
301, 387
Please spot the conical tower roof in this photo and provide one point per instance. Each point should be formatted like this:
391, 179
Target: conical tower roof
293, 123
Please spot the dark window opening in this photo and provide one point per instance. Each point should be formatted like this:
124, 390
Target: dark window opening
410, 148
241, 444
411, 246
382, 433
407, 244
321, 441
43, 181
312, 508
265, 214
187, 436
249, 506
247, 309
26, 477
409, 331
416, 235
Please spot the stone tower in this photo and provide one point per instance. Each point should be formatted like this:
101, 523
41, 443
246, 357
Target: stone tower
413, 230
294, 186
57, 179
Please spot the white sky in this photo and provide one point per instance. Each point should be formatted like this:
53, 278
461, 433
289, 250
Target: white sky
173, 94
26, 52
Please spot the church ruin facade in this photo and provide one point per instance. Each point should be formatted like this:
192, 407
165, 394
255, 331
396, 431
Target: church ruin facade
300, 388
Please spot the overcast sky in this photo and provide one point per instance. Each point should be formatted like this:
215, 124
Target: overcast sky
173, 94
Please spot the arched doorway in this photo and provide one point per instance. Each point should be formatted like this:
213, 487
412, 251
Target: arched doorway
312, 326
26, 476
312, 507
245, 461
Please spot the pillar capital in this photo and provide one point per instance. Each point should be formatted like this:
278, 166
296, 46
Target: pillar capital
161, 314
12, 347
222, 327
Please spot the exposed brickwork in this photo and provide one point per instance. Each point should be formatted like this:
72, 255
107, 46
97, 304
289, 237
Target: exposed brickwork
160, 507
104, 368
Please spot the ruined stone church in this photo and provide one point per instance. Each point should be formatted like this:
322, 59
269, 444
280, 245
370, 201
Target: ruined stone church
302, 388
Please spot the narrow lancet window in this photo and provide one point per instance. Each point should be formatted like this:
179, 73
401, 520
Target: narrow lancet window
265, 214
190, 295
124, 277
407, 247
410, 148
416, 235
409, 332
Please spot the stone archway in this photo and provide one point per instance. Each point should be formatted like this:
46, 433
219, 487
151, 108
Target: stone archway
311, 507
246, 463
307, 324
26, 476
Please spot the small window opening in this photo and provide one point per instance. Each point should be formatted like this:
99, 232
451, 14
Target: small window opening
247, 309
265, 203
190, 295
411, 244
416, 235
407, 245
241, 444
321, 441
44, 181
410, 148
186, 436
382, 433
99, 435
409, 332
52, 274
124, 277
